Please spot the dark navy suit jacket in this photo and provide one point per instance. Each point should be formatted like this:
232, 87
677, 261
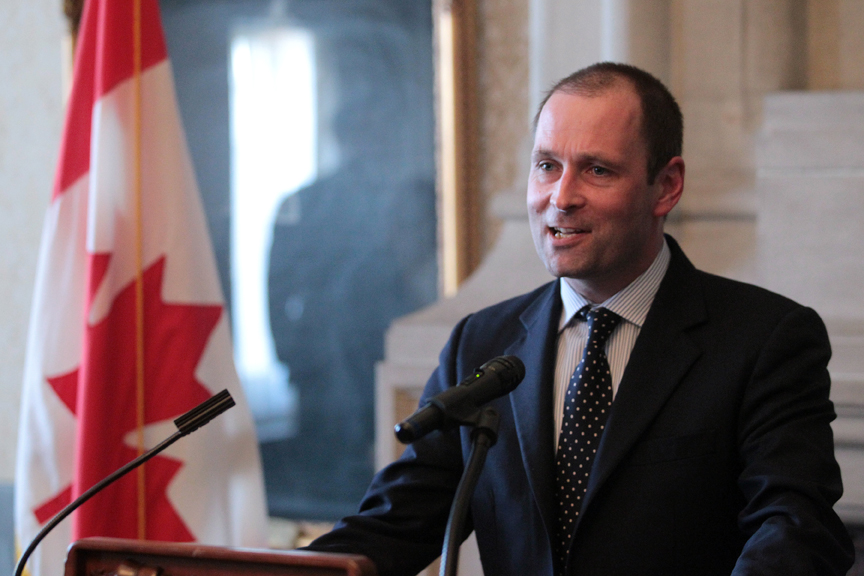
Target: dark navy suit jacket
717, 457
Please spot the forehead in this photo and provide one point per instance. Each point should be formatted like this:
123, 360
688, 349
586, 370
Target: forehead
612, 117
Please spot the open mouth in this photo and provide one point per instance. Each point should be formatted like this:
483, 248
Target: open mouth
565, 232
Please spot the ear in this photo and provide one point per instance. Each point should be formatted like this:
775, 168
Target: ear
669, 185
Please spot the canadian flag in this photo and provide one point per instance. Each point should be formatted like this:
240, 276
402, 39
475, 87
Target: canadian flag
128, 328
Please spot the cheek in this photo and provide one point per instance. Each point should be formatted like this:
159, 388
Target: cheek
623, 207
534, 222
536, 200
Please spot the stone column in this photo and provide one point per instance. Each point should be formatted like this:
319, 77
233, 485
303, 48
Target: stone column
726, 55
570, 34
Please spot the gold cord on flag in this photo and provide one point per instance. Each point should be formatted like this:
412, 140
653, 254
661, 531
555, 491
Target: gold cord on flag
139, 267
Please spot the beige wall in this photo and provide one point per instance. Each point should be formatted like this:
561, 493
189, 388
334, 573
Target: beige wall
835, 44
30, 124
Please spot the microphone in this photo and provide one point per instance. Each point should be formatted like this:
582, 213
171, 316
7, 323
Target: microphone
186, 424
492, 380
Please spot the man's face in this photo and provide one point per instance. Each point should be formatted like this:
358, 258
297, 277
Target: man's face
594, 218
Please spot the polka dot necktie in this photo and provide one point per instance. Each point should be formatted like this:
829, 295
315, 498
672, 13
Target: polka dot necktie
586, 406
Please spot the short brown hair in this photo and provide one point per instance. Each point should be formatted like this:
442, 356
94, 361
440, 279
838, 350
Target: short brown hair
662, 124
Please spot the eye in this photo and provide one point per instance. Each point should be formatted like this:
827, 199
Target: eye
599, 171
545, 165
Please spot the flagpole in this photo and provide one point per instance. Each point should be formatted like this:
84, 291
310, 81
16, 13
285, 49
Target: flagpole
139, 268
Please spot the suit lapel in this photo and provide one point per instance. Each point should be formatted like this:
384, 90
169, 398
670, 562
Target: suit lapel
661, 357
532, 402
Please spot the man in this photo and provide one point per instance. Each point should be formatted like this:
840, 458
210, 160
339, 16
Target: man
716, 455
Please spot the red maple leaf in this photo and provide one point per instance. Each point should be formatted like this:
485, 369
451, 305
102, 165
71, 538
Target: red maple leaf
104, 393
66, 388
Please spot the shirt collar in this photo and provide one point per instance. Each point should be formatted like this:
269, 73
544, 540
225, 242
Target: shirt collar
631, 304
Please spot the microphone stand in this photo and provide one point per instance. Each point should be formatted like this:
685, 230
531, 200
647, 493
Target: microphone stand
187, 423
483, 437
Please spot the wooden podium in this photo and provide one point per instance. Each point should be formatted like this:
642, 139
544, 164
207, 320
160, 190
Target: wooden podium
117, 557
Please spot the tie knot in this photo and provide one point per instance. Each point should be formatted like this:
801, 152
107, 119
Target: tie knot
601, 323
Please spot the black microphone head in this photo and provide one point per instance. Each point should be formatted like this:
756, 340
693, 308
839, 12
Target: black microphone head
509, 372
512, 371
204, 412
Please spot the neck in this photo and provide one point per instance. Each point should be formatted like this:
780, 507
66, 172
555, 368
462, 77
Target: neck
598, 290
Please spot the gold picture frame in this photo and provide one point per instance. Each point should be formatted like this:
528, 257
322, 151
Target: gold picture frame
459, 203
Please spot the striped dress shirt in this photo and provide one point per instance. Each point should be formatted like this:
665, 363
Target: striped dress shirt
632, 304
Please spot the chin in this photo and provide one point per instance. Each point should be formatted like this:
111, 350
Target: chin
565, 270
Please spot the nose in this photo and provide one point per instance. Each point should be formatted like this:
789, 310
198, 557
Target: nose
567, 193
